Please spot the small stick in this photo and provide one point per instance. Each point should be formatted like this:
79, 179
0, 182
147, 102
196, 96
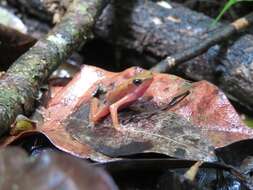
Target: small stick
192, 172
213, 38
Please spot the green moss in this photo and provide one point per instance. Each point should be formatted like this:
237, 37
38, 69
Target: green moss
248, 121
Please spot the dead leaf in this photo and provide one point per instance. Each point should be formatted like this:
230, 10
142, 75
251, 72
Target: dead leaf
165, 133
13, 44
22, 124
50, 170
207, 119
9, 19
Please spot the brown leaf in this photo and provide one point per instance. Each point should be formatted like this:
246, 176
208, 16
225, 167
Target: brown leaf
22, 124
214, 122
165, 133
50, 171
13, 44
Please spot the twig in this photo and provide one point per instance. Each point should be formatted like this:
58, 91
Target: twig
19, 86
214, 38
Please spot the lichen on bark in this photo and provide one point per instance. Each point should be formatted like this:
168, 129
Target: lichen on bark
20, 85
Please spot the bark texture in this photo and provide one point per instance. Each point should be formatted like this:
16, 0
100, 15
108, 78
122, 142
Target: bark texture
153, 29
19, 86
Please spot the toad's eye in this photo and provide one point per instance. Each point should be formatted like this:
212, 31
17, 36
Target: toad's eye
137, 82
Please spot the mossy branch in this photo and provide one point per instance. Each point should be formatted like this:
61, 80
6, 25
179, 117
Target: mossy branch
19, 86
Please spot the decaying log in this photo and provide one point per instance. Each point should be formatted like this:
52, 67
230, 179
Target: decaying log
19, 86
157, 30
166, 29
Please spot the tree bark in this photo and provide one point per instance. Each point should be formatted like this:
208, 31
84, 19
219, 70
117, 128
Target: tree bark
20, 85
155, 30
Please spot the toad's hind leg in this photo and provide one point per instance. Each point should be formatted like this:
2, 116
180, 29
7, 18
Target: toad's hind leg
126, 100
93, 109
97, 111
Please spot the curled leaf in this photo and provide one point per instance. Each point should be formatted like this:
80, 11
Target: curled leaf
21, 124
50, 170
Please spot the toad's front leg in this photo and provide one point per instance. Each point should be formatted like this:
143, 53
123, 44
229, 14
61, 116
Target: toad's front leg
123, 102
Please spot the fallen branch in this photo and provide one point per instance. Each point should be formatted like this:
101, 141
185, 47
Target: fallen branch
214, 38
20, 85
